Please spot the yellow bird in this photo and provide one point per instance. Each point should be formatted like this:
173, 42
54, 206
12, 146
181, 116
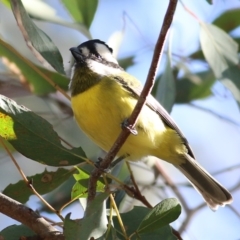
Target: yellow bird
103, 96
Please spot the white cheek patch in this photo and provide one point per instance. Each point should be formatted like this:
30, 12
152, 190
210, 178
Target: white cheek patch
85, 51
105, 53
102, 69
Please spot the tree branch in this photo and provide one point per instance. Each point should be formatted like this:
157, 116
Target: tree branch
28, 217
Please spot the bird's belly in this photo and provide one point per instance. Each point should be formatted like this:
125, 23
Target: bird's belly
100, 115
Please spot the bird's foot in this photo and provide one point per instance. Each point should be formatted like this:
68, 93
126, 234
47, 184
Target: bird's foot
131, 129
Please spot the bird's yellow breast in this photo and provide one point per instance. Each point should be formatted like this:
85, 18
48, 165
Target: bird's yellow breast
100, 111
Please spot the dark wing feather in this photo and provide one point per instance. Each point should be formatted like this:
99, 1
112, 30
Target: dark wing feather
135, 88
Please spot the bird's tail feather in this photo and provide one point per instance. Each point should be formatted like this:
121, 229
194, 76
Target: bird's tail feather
214, 194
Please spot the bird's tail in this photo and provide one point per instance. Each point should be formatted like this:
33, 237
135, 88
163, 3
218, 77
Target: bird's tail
214, 194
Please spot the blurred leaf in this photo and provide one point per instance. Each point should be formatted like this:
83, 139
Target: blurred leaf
237, 40
44, 182
94, 223
81, 10
6, 3
126, 62
230, 79
166, 88
188, 91
14, 232
132, 220
32, 73
162, 214
115, 41
197, 55
34, 137
49, 14
11, 87
80, 188
219, 49
228, 20
209, 1
39, 43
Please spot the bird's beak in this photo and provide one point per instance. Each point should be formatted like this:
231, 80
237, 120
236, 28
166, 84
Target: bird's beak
76, 54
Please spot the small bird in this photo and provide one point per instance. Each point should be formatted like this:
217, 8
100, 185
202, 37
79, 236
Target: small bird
103, 96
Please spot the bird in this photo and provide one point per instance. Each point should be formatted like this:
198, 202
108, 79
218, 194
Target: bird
103, 96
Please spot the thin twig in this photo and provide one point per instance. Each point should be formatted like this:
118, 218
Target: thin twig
225, 118
190, 215
118, 216
136, 192
28, 183
114, 206
141, 101
228, 169
189, 11
171, 184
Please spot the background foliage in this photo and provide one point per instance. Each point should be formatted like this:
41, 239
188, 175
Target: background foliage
44, 131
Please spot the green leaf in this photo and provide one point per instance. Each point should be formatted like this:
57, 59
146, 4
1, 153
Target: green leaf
49, 14
44, 182
162, 214
210, 2
229, 20
126, 62
230, 80
35, 75
81, 10
166, 88
219, 49
197, 55
133, 219
38, 42
34, 137
14, 232
188, 90
71, 228
94, 223
111, 234
6, 3
80, 188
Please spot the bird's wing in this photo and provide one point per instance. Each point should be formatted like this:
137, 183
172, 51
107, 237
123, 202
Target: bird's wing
134, 87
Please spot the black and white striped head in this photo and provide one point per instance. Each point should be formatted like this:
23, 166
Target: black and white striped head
97, 56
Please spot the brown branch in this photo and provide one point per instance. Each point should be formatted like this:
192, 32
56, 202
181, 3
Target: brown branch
189, 212
171, 184
136, 193
193, 211
28, 217
141, 101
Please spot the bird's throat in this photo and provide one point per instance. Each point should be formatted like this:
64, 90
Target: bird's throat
82, 79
